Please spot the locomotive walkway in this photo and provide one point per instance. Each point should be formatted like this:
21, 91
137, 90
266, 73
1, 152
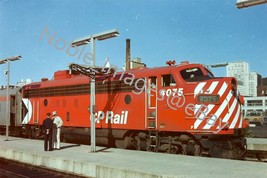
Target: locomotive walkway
117, 163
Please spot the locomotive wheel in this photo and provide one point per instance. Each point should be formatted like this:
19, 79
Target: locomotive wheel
222, 150
198, 150
125, 143
173, 150
240, 151
30, 134
33, 133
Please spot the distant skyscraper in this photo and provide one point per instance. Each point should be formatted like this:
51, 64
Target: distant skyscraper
247, 81
239, 70
262, 87
253, 83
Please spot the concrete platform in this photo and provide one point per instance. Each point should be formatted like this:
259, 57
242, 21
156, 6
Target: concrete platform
257, 144
110, 162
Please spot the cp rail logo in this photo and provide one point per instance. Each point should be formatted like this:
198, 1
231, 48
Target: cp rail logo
111, 117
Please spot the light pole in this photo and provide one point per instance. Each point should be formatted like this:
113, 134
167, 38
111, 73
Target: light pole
83, 41
217, 65
2, 61
247, 3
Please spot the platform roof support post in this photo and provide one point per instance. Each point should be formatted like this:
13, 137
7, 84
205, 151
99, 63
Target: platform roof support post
92, 99
7, 101
83, 41
2, 61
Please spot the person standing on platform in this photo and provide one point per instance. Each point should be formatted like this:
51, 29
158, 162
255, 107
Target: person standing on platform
47, 128
58, 122
54, 134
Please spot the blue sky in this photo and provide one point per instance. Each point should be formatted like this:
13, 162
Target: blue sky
203, 31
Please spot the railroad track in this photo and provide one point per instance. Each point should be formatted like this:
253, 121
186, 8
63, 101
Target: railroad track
12, 169
256, 155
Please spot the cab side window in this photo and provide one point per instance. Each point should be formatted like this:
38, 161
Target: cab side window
167, 80
153, 82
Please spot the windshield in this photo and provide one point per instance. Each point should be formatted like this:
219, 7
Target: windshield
192, 74
210, 74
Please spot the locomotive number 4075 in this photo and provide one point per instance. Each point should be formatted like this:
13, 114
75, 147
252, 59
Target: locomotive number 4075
173, 92
202, 98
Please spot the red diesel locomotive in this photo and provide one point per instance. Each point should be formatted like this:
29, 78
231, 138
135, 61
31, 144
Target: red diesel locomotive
179, 109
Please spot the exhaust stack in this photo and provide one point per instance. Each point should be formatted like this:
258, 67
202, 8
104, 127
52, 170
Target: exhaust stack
128, 55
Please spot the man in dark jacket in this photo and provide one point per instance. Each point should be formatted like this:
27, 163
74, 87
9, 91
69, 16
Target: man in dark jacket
47, 128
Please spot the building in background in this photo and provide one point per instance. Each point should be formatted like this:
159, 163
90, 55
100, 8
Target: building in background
255, 104
254, 80
248, 82
251, 85
262, 88
239, 70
